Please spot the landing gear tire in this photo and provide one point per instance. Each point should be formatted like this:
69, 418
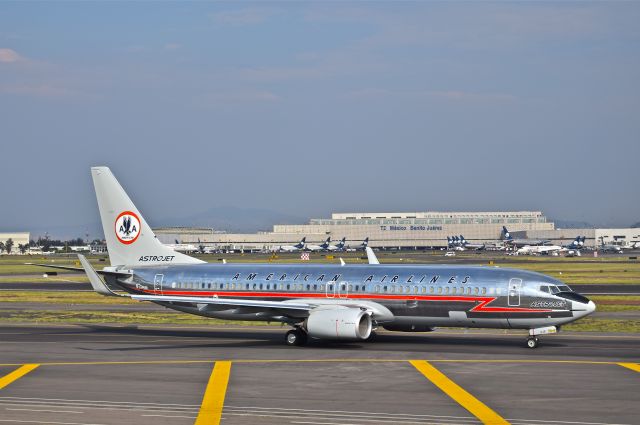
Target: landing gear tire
296, 337
532, 342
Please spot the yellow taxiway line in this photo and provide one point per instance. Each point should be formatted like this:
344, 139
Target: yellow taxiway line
213, 399
459, 394
334, 360
17, 374
632, 366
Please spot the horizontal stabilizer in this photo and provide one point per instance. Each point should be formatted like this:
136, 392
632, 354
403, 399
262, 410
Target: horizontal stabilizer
98, 285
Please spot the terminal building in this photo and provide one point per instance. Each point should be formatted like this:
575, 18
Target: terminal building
408, 230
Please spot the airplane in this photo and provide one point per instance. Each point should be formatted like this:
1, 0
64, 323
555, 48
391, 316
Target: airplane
361, 247
454, 244
182, 247
321, 301
616, 249
322, 247
467, 245
540, 250
291, 248
337, 247
577, 243
508, 239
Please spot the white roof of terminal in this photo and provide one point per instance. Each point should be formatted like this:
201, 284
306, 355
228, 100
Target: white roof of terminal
435, 214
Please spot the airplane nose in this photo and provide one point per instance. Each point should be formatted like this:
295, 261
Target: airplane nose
591, 307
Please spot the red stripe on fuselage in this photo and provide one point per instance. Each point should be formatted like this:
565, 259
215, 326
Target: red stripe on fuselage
482, 307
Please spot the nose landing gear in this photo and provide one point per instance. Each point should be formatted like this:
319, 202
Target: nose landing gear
533, 341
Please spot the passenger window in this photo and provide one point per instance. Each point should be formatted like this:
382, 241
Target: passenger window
173, 284
350, 288
424, 290
288, 286
439, 289
315, 287
247, 287
431, 291
468, 290
484, 290
454, 290
384, 288
407, 289
446, 290
308, 287
321, 287
357, 288
415, 289
475, 290
261, 286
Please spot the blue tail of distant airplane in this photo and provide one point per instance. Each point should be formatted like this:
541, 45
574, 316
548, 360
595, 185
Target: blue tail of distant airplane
505, 234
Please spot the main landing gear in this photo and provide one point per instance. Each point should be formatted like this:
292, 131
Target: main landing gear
532, 342
296, 337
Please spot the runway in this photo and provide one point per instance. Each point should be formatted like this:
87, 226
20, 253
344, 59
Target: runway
96, 374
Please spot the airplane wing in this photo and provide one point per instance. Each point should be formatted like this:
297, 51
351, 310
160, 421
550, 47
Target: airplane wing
371, 256
296, 307
81, 269
232, 302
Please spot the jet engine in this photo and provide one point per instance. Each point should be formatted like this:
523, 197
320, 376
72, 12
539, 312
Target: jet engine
339, 323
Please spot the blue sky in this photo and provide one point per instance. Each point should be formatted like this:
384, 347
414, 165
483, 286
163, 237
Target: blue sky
308, 108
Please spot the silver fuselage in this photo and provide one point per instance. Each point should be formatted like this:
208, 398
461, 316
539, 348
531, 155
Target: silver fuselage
417, 297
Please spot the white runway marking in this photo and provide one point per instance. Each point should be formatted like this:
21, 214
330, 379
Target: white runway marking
49, 411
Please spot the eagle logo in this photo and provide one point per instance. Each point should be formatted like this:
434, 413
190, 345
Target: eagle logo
127, 227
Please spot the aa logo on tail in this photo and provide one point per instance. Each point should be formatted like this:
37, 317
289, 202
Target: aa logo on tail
127, 227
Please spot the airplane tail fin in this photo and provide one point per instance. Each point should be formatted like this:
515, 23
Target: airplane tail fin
130, 240
505, 234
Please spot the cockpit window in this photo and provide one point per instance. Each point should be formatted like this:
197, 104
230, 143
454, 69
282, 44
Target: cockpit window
554, 289
544, 288
564, 288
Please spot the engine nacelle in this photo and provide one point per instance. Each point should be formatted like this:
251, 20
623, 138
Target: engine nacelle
408, 328
339, 323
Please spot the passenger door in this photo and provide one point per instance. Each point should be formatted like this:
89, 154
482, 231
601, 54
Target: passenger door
515, 284
157, 284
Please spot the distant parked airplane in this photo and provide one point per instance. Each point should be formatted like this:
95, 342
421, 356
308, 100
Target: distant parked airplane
292, 248
506, 238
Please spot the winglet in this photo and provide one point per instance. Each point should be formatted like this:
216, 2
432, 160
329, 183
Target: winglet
97, 283
224, 261
371, 256
342, 261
